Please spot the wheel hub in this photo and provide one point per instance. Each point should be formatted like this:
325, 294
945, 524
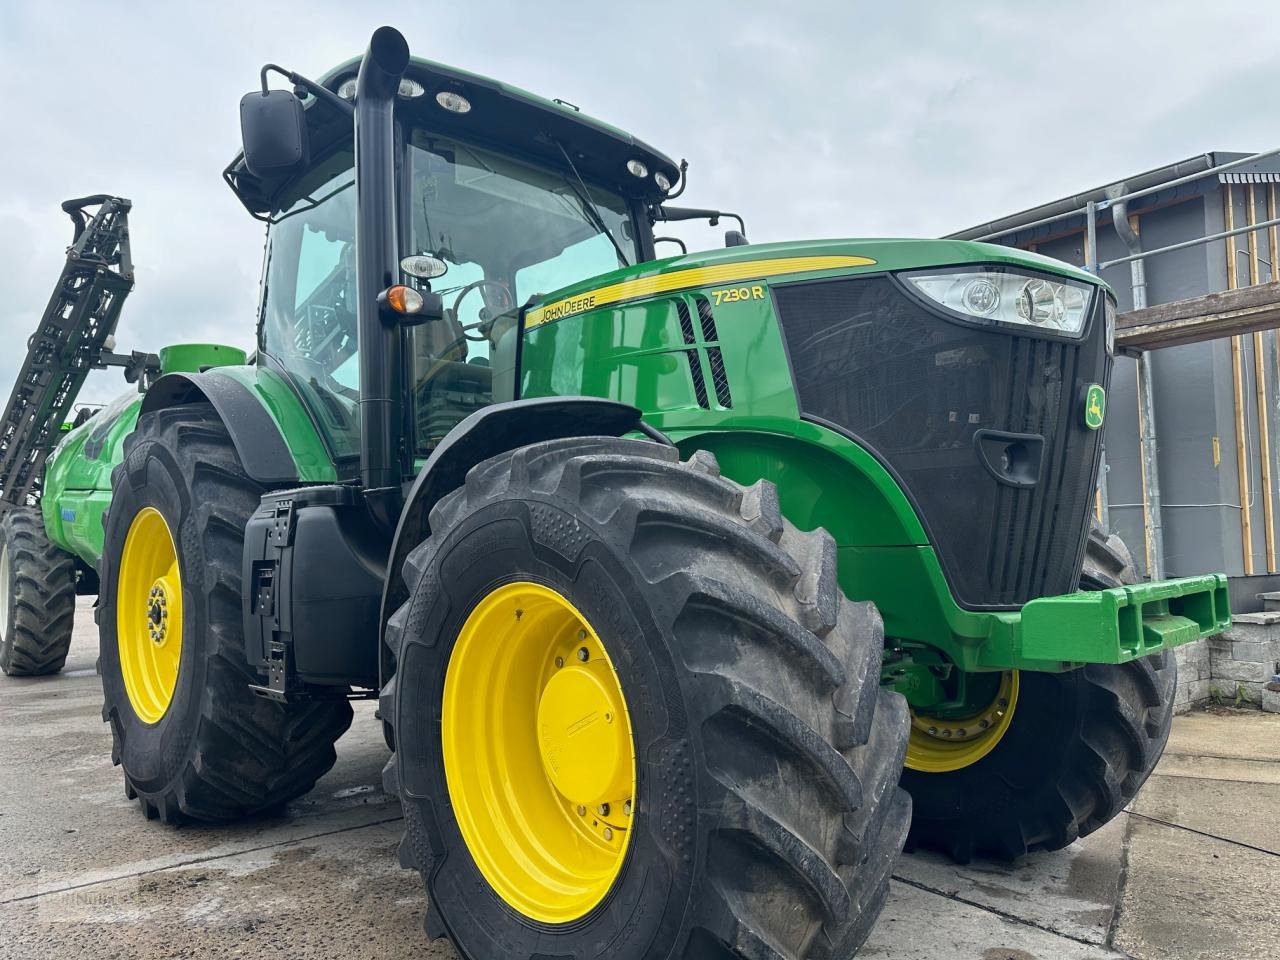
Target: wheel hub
158, 612
538, 752
943, 744
584, 745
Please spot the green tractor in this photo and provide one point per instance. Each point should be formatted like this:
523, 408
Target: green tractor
691, 588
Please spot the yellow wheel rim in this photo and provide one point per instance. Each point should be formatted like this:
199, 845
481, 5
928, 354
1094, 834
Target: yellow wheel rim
149, 615
939, 745
538, 753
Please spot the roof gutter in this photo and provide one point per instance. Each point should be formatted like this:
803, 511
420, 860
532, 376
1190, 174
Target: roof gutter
1049, 211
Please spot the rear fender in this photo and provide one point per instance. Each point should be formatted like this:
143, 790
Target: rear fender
275, 438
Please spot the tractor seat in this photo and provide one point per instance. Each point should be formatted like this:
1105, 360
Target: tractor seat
448, 392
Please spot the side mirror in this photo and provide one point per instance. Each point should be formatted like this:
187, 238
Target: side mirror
273, 131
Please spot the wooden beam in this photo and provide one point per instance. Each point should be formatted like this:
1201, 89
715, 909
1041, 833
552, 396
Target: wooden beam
1209, 317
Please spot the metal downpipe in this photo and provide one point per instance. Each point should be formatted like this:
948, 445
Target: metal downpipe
1152, 519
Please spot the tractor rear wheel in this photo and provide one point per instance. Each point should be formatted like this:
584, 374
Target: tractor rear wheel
193, 739
37, 596
1066, 752
633, 709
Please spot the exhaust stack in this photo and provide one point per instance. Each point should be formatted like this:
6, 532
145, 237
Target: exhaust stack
380, 365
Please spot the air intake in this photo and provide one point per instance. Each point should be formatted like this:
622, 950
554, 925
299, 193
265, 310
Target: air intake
695, 365
719, 379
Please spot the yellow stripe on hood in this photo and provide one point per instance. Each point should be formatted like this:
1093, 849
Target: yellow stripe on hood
685, 280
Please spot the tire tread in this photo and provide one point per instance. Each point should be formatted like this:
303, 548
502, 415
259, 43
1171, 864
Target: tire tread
786, 669
37, 637
249, 755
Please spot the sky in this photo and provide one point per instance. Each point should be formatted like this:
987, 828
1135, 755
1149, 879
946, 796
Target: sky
813, 120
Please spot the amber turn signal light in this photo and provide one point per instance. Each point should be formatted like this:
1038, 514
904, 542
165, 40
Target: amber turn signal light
401, 299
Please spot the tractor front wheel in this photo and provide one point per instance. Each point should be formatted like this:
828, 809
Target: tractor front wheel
194, 740
1059, 756
634, 714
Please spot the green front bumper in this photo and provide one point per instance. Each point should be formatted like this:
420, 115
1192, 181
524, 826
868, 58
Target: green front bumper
1108, 626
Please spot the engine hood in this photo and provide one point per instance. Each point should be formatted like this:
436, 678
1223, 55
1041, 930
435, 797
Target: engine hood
734, 265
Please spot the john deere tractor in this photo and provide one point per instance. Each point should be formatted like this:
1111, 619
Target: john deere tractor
691, 587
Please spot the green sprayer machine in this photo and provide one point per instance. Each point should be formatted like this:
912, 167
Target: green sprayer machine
691, 588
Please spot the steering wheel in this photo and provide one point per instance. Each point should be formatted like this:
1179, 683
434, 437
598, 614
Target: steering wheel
505, 302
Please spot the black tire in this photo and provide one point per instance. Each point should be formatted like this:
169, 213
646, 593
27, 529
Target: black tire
219, 752
40, 595
1107, 561
1079, 748
768, 816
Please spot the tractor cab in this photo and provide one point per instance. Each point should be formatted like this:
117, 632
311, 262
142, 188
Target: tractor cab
505, 195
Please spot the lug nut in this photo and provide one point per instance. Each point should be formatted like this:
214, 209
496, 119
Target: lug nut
582, 811
608, 833
626, 808
603, 809
583, 655
559, 662
582, 634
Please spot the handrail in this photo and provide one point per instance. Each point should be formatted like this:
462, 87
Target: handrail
1248, 228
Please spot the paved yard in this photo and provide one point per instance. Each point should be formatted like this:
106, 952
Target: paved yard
1192, 871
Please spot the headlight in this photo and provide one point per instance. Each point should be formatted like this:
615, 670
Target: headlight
995, 296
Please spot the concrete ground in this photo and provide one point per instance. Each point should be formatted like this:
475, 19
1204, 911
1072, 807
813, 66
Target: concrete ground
1193, 871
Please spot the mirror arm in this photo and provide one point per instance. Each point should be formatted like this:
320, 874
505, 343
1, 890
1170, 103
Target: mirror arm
667, 214
318, 91
684, 180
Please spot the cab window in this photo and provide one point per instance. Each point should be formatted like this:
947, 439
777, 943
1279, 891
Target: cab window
507, 231
308, 323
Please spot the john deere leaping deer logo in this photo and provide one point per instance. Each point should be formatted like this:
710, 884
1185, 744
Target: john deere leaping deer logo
1095, 406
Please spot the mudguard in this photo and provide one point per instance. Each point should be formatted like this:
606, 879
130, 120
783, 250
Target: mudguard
257, 439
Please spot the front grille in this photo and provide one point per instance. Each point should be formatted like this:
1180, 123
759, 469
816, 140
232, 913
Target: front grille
914, 388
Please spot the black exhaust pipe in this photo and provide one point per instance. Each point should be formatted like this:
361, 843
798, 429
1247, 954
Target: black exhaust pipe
378, 266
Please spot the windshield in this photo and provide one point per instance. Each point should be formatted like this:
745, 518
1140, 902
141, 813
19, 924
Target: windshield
508, 231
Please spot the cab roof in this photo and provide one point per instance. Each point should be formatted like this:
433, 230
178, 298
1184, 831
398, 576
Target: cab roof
502, 117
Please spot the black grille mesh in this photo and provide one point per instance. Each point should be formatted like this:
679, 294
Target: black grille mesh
914, 388
719, 379
691, 355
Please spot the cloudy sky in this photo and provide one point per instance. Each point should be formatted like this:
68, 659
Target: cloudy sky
813, 119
